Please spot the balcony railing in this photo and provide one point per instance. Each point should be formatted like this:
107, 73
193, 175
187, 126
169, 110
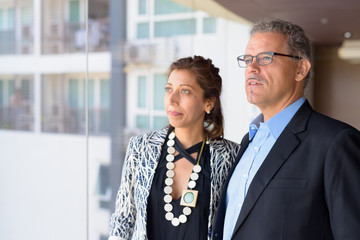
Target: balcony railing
21, 44
16, 118
72, 121
67, 37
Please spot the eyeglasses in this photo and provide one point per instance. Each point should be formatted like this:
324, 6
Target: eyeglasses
263, 58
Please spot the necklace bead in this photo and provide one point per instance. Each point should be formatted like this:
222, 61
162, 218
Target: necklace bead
182, 218
168, 190
172, 135
170, 173
168, 207
191, 184
175, 221
197, 168
171, 150
170, 165
167, 199
169, 181
187, 210
194, 176
170, 157
169, 216
171, 142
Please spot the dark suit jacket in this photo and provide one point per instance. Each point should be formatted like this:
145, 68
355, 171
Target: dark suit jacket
308, 187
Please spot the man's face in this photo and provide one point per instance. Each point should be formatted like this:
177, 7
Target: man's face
274, 86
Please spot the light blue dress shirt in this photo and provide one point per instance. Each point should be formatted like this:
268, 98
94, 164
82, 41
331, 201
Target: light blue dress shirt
262, 137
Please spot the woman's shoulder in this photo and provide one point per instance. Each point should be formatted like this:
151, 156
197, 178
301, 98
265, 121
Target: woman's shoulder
224, 143
149, 137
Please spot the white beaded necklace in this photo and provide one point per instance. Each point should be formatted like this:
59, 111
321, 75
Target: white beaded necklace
189, 196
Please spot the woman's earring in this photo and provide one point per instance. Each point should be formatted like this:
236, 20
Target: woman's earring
208, 111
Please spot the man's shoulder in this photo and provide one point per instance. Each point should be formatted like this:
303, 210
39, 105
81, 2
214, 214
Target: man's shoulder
331, 124
309, 119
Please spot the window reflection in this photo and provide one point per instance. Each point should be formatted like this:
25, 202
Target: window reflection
63, 104
43, 108
16, 102
16, 27
64, 28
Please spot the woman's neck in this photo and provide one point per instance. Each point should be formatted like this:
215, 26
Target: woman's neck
189, 137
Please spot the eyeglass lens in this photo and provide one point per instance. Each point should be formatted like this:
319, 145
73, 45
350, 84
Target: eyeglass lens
262, 59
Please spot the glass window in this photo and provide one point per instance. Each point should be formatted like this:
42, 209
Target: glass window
91, 90
142, 30
142, 7
209, 25
74, 10
2, 25
63, 102
7, 34
42, 112
10, 18
1, 93
16, 103
159, 91
160, 122
103, 180
25, 89
175, 28
104, 93
141, 93
169, 7
104, 114
142, 122
73, 93
26, 15
11, 86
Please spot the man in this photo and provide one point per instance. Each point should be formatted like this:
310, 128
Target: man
297, 175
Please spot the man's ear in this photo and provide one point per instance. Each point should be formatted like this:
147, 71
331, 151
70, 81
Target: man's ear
303, 69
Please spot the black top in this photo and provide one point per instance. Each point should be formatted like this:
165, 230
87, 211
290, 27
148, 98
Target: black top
196, 226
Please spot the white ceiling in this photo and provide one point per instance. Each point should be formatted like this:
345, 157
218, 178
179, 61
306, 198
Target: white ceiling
325, 21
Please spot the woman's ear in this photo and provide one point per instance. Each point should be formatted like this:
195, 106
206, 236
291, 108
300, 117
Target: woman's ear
303, 69
209, 104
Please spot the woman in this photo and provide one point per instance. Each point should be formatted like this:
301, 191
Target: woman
172, 178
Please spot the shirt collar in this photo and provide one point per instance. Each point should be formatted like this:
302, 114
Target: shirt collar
277, 123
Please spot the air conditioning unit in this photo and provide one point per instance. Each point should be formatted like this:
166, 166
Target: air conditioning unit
138, 54
26, 32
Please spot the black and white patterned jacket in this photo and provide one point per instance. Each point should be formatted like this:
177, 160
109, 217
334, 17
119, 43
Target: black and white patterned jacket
143, 153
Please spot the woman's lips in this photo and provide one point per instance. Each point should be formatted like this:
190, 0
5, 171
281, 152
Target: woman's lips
174, 113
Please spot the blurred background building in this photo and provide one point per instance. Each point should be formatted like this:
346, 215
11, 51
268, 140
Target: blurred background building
78, 78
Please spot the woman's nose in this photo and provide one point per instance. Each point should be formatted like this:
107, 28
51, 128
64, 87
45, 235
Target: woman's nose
174, 97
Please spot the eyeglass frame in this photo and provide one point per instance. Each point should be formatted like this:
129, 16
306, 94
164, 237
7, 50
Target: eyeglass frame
272, 54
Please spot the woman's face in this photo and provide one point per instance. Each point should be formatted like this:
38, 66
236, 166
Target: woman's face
184, 102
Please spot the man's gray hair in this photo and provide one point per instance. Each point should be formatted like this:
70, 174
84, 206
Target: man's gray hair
298, 42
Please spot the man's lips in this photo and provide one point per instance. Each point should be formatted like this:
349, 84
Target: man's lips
254, 81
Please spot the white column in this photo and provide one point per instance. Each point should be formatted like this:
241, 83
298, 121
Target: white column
37, 73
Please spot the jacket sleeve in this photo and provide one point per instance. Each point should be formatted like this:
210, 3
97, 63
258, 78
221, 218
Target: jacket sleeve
342, 179
123, 219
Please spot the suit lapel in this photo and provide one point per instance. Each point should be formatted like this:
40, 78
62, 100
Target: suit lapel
280, 152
